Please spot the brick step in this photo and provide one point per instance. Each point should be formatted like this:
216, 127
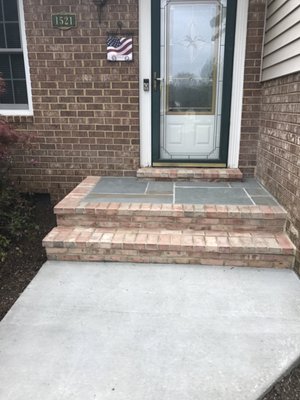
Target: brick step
191, 174
164, 246
172, 216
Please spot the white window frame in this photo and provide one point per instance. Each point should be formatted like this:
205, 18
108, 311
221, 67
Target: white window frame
27, 111
237, 83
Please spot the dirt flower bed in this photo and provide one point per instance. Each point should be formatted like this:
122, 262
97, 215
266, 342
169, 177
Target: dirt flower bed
286, 389
26, 257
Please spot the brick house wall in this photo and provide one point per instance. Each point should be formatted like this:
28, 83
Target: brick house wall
86, 109
278, 157
252, 88
86, 117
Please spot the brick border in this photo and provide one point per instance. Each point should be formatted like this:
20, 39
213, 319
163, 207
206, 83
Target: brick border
190, 174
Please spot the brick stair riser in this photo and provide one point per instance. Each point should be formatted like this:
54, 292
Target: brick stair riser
190, 174
246, 249
190, 179
170, 257
249, 236
219, 251
106, 220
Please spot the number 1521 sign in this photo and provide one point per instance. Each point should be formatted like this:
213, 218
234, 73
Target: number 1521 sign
64, 21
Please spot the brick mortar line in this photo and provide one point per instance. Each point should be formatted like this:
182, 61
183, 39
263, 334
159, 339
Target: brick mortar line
276, 140
110, 242
77, 211
185, 208
288, 167
163, 231
285, 161
159, 260
282, 176
197, 250
269, 157
280, 131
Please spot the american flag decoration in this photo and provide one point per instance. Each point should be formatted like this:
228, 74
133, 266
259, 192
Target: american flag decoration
119, 48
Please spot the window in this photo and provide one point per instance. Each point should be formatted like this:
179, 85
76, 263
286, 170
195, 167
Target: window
12, 58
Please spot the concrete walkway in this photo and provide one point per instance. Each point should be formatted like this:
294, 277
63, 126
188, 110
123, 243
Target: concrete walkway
96, 331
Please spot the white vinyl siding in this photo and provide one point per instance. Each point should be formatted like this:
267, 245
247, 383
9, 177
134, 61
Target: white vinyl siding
281, 53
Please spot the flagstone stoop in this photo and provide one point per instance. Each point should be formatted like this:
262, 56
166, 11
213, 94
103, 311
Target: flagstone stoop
168, 233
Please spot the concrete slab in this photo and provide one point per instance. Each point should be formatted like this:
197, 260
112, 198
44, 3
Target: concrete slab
96, 331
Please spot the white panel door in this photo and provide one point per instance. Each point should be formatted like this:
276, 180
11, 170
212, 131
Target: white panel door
191, 81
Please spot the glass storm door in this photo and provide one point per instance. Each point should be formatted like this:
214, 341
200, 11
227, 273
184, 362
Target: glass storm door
192, 54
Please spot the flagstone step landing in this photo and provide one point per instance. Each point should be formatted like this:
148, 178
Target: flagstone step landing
93, 228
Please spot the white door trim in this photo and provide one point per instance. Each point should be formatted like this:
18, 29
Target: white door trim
145, 73
237, 82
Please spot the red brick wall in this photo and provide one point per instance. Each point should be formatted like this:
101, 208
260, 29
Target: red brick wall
86, 119
278, 160
86, 115
252, 88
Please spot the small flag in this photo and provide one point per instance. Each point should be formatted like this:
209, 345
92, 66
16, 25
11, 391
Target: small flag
119, 49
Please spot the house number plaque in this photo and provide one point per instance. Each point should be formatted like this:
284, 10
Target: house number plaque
64, 21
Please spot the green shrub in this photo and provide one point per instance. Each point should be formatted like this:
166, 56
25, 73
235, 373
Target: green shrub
16, 214
15, 209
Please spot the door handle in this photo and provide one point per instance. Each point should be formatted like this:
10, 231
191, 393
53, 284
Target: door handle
156, 81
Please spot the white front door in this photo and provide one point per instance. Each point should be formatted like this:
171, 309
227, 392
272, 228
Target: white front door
188, 50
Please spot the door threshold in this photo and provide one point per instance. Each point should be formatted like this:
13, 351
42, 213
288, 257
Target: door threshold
187, 165
190, 174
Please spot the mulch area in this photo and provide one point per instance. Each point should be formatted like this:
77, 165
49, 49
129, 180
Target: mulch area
287, 388
26, 258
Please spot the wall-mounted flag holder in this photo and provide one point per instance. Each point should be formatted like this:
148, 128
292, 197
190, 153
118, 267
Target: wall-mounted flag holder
119, 45
119, 48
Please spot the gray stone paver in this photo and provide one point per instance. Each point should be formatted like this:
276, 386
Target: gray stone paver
257, 191
235, 196
203, 184
264, 201
247, 183
119, 185
160, 187
131, 332
110, 189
